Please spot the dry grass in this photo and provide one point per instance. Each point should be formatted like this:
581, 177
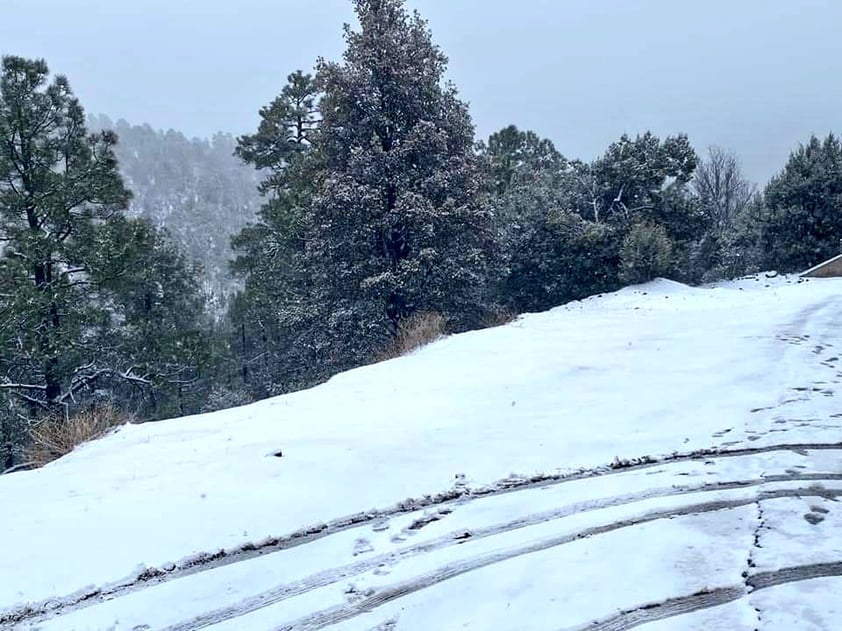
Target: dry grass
498, 317
55, 437
414, 332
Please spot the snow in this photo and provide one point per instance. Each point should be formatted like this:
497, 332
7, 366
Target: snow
491, 421
812, 605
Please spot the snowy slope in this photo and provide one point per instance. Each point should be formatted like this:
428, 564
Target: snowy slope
662, 456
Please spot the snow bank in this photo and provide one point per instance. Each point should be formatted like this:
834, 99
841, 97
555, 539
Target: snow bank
648, 370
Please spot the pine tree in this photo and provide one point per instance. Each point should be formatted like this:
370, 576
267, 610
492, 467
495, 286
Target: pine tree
396, 226
92, 304
267, 319
373, 208
643, 179
529, 190
802, 225
157, 324
646, 253
57, 187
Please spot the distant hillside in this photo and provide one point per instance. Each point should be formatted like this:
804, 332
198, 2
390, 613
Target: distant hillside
196, 188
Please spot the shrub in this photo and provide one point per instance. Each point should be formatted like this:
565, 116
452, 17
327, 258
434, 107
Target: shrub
414, 332
561, 258
55, 437
223, 398
498, 316
646, 253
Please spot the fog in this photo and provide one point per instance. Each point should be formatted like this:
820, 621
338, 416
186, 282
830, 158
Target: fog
758, 76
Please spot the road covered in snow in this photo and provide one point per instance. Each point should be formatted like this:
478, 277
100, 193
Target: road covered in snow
662, 457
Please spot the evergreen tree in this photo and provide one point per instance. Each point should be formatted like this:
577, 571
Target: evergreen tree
740, 250
373, 207
93, 304
157, 325
646, 253
802, 225
522, 159
572, 229
396, 226
58, 185
550, 254
268, 318
642, 179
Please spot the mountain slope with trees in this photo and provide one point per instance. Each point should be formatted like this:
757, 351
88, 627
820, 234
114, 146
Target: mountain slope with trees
362, 217
196, 189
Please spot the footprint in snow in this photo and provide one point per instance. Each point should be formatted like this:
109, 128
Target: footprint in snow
355, 594
362, 546
460, 482
428, 518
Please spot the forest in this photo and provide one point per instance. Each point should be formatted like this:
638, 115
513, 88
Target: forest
145, 275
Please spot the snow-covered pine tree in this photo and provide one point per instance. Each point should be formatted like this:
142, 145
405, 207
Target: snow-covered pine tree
802, 223
396, 226
373, 207
58, 186
89, 299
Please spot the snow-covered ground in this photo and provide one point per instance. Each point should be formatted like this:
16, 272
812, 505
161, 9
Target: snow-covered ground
664, 457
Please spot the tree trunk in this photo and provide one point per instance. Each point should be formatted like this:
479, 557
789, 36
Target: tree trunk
48, 331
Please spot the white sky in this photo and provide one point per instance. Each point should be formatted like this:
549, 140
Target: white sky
755, 75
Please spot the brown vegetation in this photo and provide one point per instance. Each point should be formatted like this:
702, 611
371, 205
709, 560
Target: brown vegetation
55, 437
414, 332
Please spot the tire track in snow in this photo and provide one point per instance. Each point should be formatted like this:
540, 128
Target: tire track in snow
681, 605
55, 607
341, 613
772, 578
322, 579
669, 608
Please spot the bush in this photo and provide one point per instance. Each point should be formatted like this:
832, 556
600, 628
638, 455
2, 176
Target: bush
561, 258
224, 398
498, 316
414, 332
55, 437
647, 253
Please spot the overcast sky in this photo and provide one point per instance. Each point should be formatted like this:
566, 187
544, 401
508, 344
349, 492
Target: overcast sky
758, 76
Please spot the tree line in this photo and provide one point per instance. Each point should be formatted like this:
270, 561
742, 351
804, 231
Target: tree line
379, 207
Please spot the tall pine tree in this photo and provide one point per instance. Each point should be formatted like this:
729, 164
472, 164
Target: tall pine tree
396, 226
373, 209
92, 303
270, 314
58, 185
